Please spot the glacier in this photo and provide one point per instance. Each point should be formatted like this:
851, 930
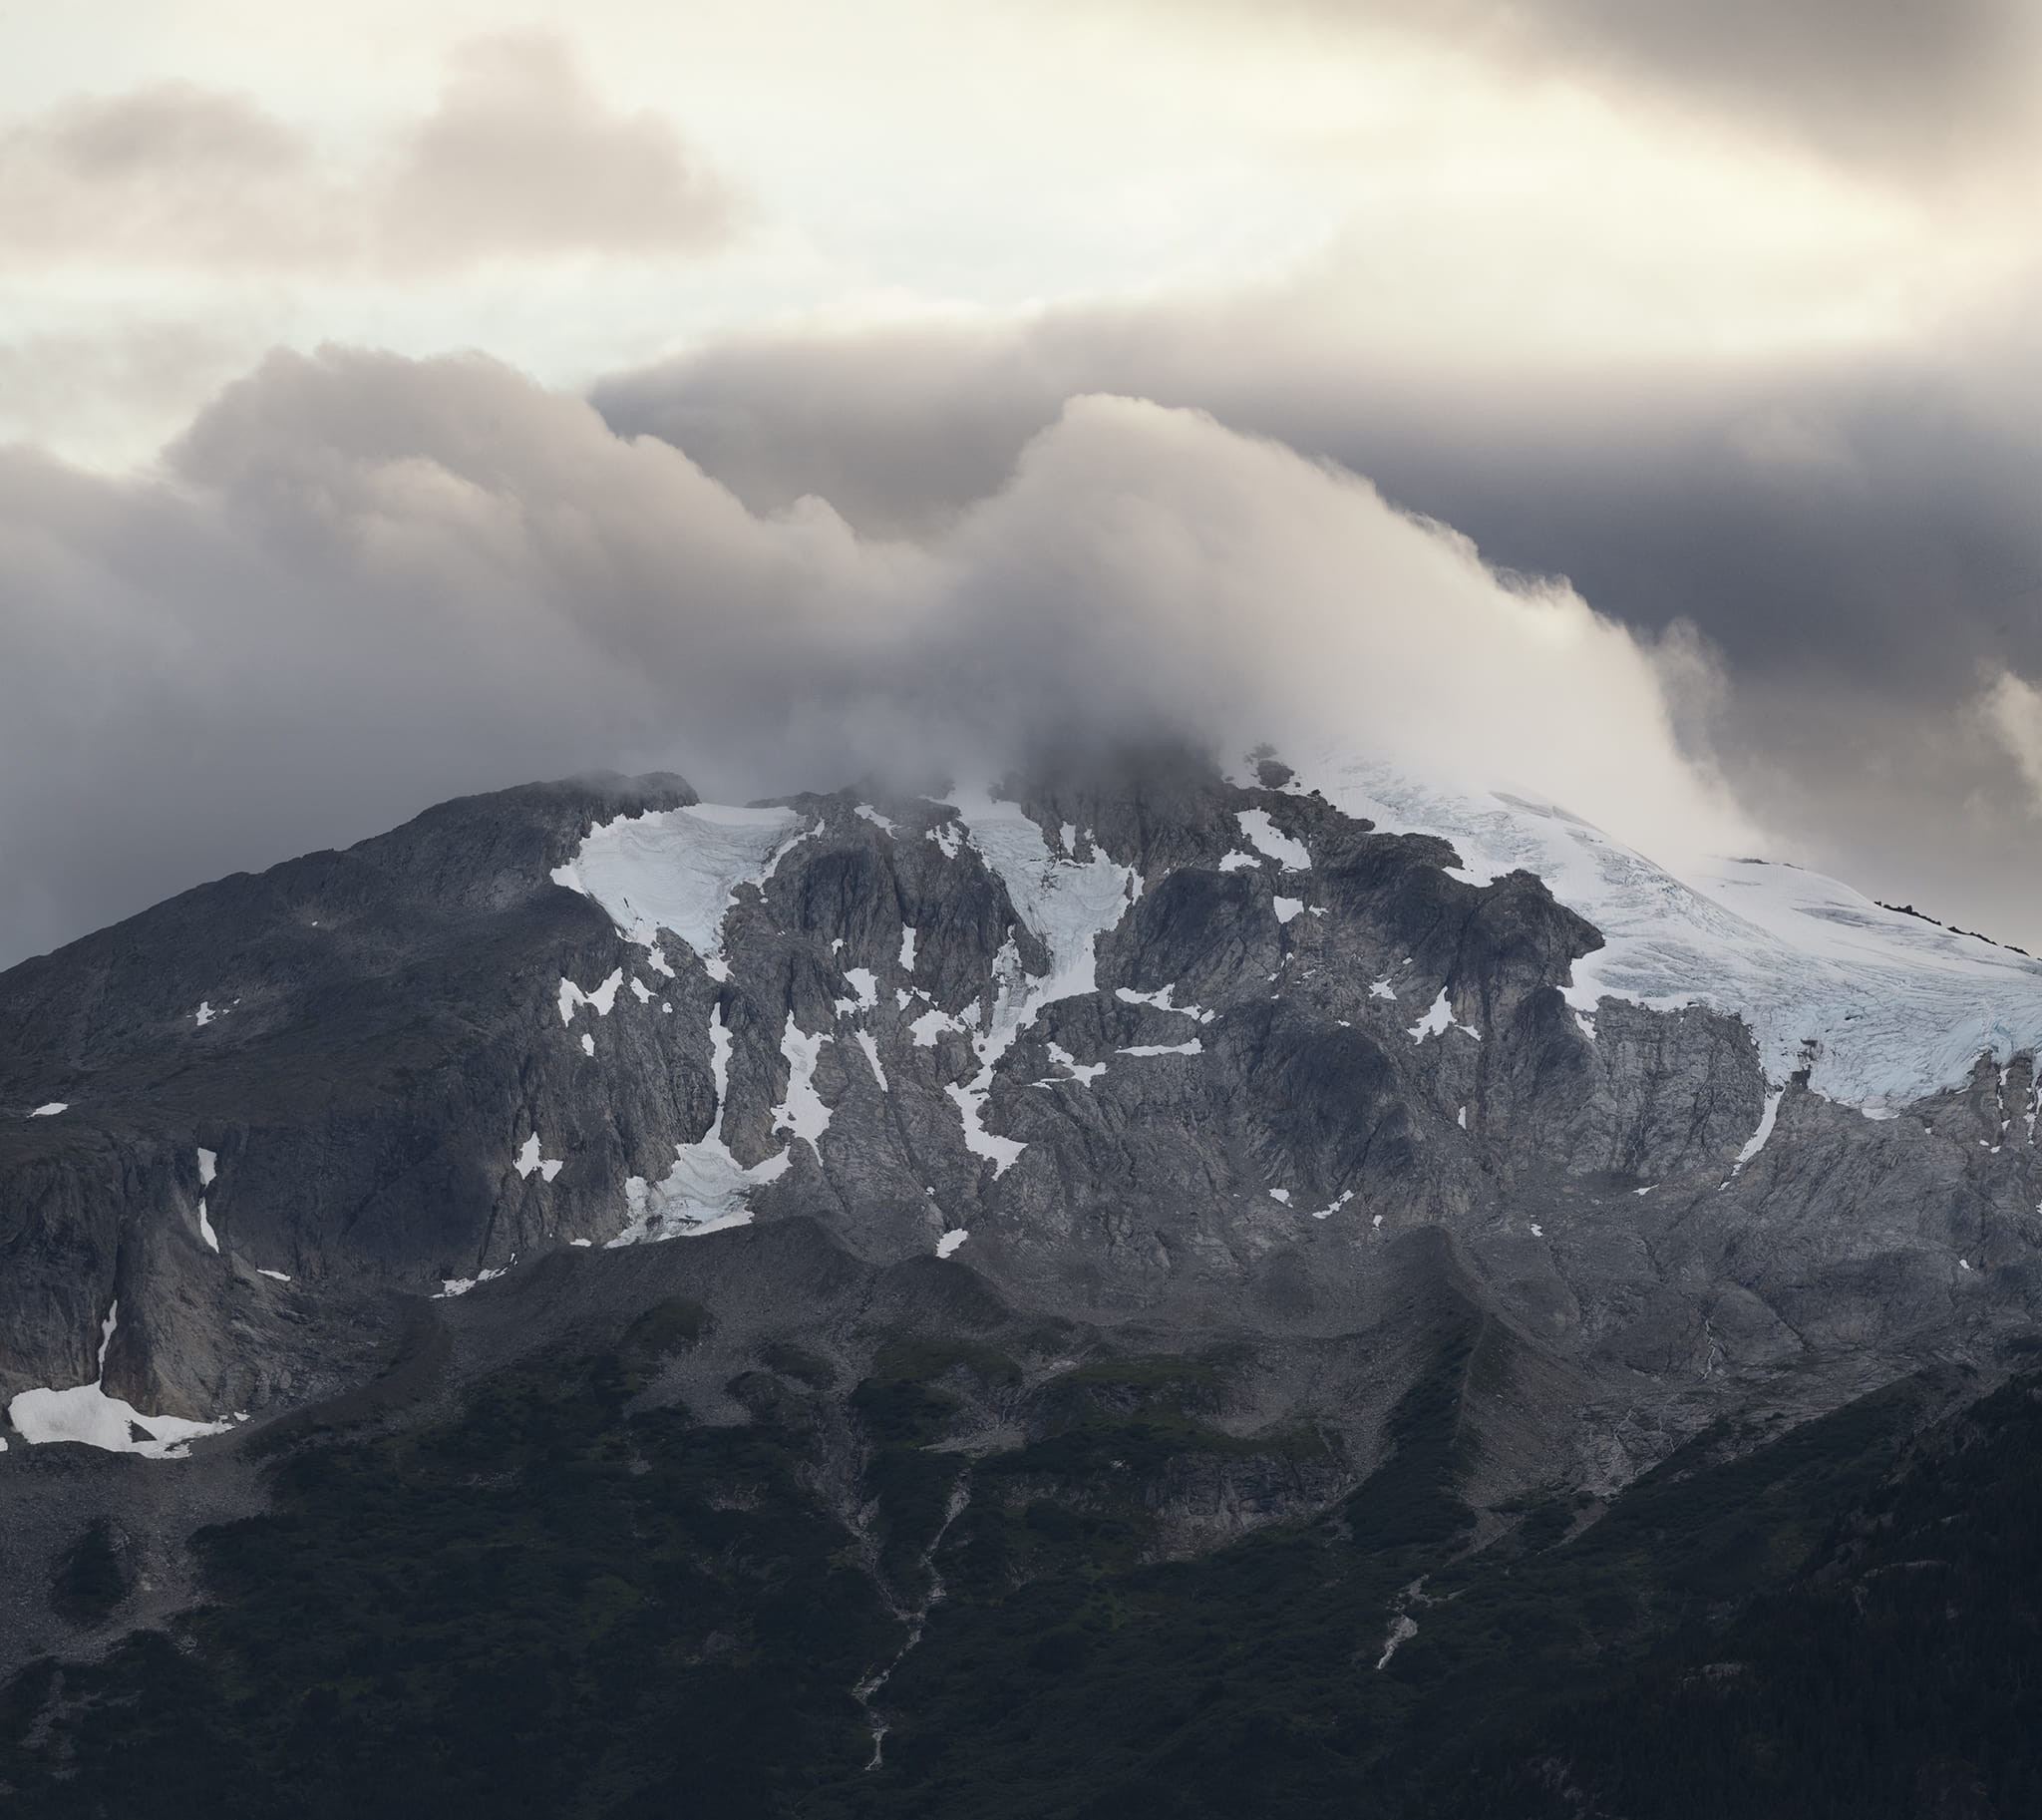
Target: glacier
1883, 1008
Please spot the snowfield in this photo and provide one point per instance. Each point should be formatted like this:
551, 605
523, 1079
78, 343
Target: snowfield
1068, 906
1891, 1007
1884, 1008
680, 868
707, 1189
86, 1413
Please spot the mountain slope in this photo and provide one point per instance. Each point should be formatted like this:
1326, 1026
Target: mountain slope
1879, 1006
1074, 1179
564, 1602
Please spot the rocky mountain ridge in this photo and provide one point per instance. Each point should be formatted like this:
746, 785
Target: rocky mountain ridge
1128, 1064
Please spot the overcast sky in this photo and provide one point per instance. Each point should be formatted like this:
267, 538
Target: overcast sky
1631, 400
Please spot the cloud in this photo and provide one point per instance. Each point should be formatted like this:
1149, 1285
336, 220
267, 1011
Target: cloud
94, 385
899, 428
172, 173
362, 584
2011, 709
1854, 533
519, 159
1910, 85
1871, 518
1907, 79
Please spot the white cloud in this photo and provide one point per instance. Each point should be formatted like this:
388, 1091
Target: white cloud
518, 160
2011, 710
521, 157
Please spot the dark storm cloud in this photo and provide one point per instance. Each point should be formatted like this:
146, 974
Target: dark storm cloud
1831, 516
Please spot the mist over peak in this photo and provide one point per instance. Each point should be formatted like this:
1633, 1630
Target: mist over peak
359, 583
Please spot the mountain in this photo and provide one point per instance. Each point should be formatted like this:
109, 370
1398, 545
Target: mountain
595, 1300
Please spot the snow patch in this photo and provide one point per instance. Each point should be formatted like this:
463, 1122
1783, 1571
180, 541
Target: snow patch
1265, 836
1326, 1213
1280, 1195
707, 1189
969, 1099
1402, 1630
1238, 862
907, 951
865, 984
1438, 1019
1067, 905
460, 1285
931, 1024
1084, 1073
206, 1230
587, 1044
1288, 908
528, 1159
572, 997
885, 822
640, 991
1757, 1140
1436, 1022
1193, 1047
88, 1414
869, 1045
802, 1112
1380, 989
49, 1109
1161, 1000
950, 1240
208, 1167
205, 1013
680, 870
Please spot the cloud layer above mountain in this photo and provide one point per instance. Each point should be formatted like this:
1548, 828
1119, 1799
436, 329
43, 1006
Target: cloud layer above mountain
363, 584
1717, 318
1855, 534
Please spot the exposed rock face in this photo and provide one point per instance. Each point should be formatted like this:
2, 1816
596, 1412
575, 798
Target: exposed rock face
1173, 1063
336, 1033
